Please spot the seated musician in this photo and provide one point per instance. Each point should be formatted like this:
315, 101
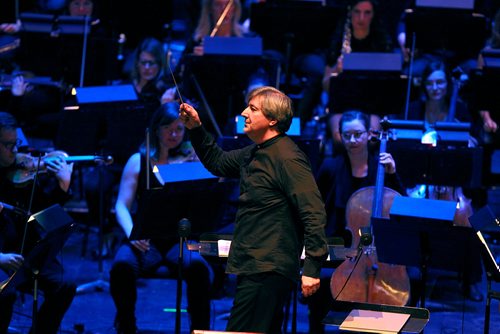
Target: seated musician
338, 178
136, 257
438, 105
361, 31
228, 14
51, 187
151, 79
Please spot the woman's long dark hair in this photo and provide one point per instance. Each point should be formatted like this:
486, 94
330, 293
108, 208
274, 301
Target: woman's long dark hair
166, 114
155, 48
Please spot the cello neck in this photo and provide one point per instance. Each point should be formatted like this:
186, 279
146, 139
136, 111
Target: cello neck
378, 205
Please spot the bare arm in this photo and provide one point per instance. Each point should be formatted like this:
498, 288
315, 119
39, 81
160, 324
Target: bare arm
126, 197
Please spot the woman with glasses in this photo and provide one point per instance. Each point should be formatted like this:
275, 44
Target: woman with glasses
150, 74
440, 102
338, 178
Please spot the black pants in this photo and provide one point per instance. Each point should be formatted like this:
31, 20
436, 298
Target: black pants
130, 264
259, 302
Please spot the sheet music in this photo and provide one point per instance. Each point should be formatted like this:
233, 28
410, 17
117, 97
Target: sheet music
374, 321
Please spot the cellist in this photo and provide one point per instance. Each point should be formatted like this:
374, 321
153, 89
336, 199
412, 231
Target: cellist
50, 188
338, 178
440, 102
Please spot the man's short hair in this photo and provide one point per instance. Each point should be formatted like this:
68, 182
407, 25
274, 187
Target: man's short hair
276, 105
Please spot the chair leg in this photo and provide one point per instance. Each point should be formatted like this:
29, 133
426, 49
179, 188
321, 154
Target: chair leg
487, 308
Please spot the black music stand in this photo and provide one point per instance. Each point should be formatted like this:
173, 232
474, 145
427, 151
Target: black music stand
422, 238
437, 28
189, 191
51, 27
294, 27
485, 83
422, 164
371, 82
190, 196
108, 120
220, 81
54, 227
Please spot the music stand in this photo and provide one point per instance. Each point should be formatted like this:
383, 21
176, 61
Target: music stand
294, 27
54, 227
422, 164
456, 29
372, 83
53, 27
411, 239
189, 194
107, 120
189, 191
485, 83
220, 81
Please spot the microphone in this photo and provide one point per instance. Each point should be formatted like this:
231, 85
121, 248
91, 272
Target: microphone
121, 41
366, 236
184, 228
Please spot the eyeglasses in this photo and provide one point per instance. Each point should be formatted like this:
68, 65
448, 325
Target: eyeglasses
439, 83
148, 63
357, 135
10, 145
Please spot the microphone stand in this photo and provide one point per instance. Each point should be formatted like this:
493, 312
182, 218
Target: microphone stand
184, 229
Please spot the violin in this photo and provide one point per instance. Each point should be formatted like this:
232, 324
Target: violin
26, 165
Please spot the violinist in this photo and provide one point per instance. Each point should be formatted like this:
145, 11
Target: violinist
50, 188
338, 178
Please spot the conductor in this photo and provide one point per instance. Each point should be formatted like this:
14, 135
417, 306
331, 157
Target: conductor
280, 211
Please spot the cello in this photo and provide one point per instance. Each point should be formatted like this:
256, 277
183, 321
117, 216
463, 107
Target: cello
363, 278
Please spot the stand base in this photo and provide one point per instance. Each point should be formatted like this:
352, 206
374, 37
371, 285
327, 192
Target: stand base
98, 285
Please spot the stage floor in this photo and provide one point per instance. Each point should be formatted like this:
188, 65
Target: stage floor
93, 311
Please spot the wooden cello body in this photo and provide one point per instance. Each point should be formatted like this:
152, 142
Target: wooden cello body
363, 278
372, 281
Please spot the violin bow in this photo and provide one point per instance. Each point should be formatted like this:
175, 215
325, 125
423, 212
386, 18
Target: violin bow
221, 18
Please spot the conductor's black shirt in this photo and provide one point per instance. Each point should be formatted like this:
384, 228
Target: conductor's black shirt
280, 207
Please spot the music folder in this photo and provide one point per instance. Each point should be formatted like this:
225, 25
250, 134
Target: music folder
232, 46
54, 24
191, 171
106, 94
373, 61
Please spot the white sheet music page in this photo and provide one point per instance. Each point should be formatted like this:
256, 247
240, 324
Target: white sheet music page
374, 322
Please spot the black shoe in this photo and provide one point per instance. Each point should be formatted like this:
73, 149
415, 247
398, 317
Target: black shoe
129, 328
473, 292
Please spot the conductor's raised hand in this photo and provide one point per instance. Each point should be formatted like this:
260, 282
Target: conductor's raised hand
189, 116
